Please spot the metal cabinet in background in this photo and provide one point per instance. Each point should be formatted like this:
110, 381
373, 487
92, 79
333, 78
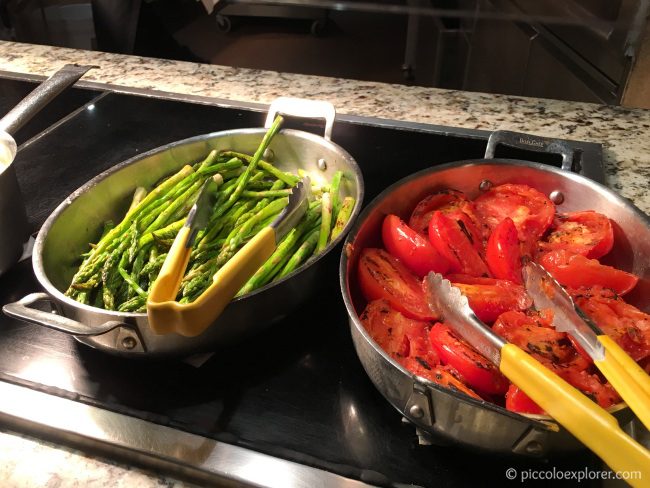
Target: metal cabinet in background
511, 47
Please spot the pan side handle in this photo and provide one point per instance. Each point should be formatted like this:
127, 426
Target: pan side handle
23, 310
300, 107
530, 142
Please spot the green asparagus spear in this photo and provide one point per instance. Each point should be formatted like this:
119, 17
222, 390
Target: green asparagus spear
303, 253
343, 217
335, 193
325, 223
288, 178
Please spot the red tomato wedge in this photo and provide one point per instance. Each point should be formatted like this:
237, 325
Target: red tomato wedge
398, 335
412, 249
503, 255
455, 245
531, 211
452, 203
576, 271
474, 369
489, 298
518, 401
587, 233
589, 384
441, 375
383, 276
624, 323
535, 334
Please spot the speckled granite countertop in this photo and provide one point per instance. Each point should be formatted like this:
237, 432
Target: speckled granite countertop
624, 133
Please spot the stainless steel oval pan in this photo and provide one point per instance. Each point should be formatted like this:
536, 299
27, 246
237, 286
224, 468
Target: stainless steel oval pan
78, 220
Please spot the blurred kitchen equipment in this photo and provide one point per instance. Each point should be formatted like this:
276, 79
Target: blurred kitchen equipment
440, 411
13, 219
78, 220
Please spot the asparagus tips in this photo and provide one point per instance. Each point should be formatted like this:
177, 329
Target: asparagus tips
138, 195
343, 217
325, 223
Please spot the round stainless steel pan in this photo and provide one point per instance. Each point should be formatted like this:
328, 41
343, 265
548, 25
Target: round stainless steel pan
440, 411
78, 221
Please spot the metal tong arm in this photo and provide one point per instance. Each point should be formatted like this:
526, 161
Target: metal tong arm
586, 420
627, 377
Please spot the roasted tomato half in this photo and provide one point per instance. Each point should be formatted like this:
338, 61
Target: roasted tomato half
588, 383
503, 254
398, 336
624, 323
587, 233
474, 369
577, 271
452, 203
489, 298
531, 211
535, 334
455, 244
442, 375
383, 276
411, 248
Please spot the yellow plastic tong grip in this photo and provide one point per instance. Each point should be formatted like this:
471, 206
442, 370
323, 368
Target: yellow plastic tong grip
627, 378
190, 319
171, 273
588, 422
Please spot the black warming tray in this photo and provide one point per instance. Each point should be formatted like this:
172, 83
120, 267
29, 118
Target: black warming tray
296, 393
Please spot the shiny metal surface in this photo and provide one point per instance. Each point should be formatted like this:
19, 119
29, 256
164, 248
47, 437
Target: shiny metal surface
547, 293
303, 108
155, 446
454, 416
199, 215
78, 220
13, 217
532, 143
453, 307
41, 96
293, 212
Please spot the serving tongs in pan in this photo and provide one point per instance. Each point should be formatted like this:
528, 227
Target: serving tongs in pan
166, 315
624, 374
587, 421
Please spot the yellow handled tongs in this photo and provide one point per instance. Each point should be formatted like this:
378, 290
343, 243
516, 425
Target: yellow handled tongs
624, 374
166, 315
587, 421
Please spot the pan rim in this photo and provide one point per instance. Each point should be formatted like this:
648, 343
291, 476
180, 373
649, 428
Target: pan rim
37, 255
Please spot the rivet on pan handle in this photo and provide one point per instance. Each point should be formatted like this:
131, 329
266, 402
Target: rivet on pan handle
530, 142
300, 107
418, 406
